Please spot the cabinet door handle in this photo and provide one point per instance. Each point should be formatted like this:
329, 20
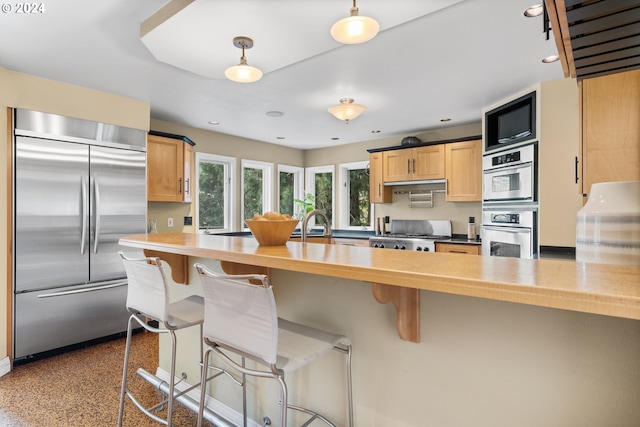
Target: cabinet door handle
379, 189
414, 165
576, 169
408, 166
179, 185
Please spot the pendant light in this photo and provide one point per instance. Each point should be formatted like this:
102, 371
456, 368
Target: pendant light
243, 73
346, 110
355, 28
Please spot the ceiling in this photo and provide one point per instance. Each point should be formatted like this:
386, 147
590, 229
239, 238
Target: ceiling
433, 59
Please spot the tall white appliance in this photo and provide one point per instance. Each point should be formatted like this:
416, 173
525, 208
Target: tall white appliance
78, 186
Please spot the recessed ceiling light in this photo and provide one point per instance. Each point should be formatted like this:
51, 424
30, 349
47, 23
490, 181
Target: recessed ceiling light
375, 131
533, 11
214, 123
551, 58
445, 120
274, 113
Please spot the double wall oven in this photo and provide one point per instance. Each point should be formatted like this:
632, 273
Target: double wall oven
510, 202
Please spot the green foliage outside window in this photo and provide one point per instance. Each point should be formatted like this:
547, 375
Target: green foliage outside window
287, 198
211, 196
252, 192
324, 195
359, 205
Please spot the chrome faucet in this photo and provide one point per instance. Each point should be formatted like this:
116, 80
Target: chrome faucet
327, 226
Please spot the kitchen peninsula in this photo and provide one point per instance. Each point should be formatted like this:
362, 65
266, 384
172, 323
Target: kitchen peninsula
479, 361
591, 288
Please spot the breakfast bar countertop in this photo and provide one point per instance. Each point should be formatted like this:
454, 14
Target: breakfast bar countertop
611, 290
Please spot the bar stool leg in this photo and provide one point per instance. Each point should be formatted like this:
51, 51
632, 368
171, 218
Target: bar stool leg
203, 386
284, 398
171, 379
349, 386
123, 390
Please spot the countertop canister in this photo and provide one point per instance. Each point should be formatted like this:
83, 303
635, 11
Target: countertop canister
608, 225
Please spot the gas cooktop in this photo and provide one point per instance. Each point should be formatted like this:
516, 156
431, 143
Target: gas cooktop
415, 235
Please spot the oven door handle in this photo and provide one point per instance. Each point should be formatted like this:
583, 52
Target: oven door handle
508, 168
507, 229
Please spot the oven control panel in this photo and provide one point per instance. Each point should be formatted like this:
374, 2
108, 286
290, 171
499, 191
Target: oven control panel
505, 158
505, 218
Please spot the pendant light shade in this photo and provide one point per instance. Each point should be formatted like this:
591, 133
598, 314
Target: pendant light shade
355, 28
346, 110
243, 72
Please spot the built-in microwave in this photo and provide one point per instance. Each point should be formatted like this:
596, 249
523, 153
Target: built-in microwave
511, 123
510, 175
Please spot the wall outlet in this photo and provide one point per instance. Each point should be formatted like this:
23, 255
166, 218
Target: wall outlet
170, 222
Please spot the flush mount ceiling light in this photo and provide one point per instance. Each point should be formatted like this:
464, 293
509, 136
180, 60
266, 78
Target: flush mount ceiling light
533, 11
355, 28
346, 110
551, 58
243, 73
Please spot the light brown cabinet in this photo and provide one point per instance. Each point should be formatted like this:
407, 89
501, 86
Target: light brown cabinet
169, 169
463, 171
610, 117
414, 164
459, 248
378, 193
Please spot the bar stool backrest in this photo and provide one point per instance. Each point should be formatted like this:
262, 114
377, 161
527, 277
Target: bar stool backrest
147, 290
240, 315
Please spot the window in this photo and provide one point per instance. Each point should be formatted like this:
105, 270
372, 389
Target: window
290, 188
215, 195
355, 205
320, 185
257, 188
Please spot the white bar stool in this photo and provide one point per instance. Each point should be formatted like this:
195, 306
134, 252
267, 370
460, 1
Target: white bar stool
242, 318
148, 298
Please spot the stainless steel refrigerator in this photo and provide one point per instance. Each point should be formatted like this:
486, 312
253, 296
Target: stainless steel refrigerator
78, 187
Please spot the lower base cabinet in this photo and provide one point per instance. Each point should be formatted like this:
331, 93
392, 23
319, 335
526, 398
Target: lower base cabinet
456, 248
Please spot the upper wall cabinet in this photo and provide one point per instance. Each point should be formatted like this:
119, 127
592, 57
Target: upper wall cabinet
413, 164
610, 109
459, 162
378, 193
169, 169
463, 170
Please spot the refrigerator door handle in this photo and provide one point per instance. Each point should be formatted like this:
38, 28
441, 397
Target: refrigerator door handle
82, 291
83, 221
96, 191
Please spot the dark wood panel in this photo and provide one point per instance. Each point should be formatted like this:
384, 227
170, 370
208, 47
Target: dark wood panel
617, 66
604, 23
609, 57
619, 44
605, 36
588, 11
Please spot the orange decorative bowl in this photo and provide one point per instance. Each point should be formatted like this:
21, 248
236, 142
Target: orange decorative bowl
272, 232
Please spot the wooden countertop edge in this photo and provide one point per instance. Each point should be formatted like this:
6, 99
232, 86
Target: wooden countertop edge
602, 303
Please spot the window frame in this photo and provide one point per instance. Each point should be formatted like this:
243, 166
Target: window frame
230, 191
343, 195
267, 186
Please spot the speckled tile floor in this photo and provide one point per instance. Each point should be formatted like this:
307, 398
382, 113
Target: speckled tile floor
82, 388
